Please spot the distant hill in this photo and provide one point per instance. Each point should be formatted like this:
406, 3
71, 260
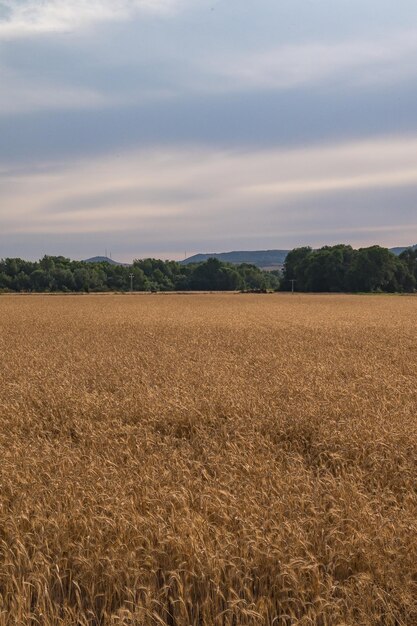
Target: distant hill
399, 250
265, 259
261, 258
104, 259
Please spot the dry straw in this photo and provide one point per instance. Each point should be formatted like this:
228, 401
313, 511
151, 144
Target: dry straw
208, 461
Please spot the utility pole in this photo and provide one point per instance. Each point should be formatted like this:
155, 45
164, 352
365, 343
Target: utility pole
131, 276
292, 281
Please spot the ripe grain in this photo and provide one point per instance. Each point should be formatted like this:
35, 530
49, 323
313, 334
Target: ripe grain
208, 460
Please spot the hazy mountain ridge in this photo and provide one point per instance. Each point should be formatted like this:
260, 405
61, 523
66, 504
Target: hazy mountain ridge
400, 249
104, 259
260, 258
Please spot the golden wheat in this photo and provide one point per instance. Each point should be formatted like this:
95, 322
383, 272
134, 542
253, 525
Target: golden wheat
208, 460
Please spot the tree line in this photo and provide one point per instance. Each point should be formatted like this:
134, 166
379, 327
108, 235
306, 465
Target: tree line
329, 269
342, 269
59, 274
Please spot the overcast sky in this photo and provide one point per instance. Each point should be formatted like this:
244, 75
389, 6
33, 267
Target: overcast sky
159, 127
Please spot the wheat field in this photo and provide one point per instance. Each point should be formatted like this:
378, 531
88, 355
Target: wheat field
208, 460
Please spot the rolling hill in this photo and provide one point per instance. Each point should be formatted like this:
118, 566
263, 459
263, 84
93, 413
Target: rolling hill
104, 259
269, 259
399, 249
260, 258
265, 259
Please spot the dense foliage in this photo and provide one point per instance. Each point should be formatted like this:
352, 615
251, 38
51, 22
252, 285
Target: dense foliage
342, 269
57, 273
329, 269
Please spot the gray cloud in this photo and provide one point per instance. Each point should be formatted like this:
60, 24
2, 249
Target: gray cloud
163, 125
25, 18
206, 197
297, 117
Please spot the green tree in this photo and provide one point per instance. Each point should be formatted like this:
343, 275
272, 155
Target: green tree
62, 279
82, 279
294, 268
326, 269
372, 269
212, 275
40, 280
47, 263
409, 258
5, 281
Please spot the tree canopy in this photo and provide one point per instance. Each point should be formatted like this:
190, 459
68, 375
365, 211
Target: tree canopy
337, 268
59, 274
342, 269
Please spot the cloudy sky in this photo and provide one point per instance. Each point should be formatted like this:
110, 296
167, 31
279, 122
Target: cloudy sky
159, 127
